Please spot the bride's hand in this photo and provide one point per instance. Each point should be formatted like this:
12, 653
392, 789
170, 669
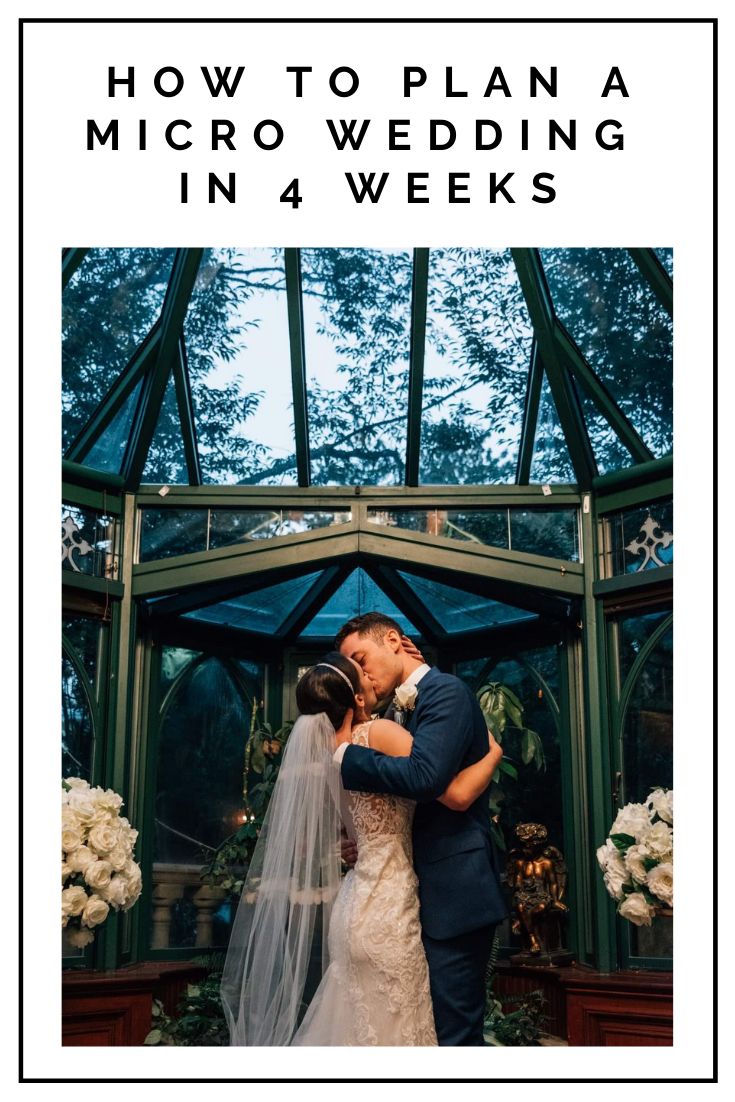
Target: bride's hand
344, 732
411, 649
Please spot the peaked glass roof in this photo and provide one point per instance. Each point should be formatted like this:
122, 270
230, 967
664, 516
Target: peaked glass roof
357, 594
313, 606
257, 366
459, 611
264, 610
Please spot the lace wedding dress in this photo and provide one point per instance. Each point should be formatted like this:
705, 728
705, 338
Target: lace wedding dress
376, 988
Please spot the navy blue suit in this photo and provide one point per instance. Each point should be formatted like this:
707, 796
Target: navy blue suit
459, 891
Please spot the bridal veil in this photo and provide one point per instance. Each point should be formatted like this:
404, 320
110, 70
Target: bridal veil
278, 948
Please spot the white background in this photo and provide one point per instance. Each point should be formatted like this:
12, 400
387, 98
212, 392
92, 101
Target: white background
656, 193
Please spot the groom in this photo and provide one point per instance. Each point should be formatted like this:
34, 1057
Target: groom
459, 891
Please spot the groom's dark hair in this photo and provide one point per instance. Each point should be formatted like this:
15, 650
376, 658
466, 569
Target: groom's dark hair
374, 624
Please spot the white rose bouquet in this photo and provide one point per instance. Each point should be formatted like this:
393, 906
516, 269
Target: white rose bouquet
97, 866
637, 859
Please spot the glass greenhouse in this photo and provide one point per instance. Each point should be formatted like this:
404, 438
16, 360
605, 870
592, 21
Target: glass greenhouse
261, 443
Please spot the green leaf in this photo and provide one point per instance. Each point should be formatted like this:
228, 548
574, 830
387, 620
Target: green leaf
257, 757
497, 834
538, 749
512, 699
649, 863
153, 1038
515, 714
506, 767
527, 747
622, 841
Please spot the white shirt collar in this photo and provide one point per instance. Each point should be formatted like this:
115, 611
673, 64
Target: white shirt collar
415, 677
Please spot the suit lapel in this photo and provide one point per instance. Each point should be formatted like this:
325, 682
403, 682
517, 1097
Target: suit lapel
425, 680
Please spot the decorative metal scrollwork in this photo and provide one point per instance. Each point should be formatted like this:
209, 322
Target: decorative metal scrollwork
651, 538
72, 541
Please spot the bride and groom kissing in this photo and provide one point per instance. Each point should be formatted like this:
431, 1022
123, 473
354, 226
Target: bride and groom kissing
394, 952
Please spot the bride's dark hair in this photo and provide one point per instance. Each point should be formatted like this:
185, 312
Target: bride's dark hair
325, 690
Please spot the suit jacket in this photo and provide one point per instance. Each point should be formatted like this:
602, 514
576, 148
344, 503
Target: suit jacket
459, 890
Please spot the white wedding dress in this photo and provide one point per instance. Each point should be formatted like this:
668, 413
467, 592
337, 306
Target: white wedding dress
376, 988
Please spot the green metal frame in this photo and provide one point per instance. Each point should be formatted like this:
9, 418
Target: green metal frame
70, 261
185, 405
419, 296
597, 763
545, 325
530, 416
175, 305
298, 365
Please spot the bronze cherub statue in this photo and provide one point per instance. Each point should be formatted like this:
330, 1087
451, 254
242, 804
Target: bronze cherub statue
537, 876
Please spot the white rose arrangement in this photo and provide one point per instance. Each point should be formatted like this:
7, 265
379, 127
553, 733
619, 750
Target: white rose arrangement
97, 867
637, 859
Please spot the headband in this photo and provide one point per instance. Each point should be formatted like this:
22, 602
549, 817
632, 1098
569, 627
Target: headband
342, 674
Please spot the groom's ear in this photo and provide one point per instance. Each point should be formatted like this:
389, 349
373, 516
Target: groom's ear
392, 639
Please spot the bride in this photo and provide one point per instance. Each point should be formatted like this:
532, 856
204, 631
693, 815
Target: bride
315, 959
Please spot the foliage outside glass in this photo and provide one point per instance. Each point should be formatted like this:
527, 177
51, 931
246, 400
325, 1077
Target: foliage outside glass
357, 309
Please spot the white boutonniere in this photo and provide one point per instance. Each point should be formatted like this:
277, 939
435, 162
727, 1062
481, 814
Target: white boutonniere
405, 698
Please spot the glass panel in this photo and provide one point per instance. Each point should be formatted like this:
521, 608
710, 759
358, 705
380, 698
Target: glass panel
166, 532
357, 320
189, 530
550, 462
239, 363
610, 454
106, 454
263, 610
478, 348
108, 306
648, 730
622, 330
459, 611
666, 256
85, 635
640, 539
228, 526
88, 542
539, 531
647, 743
487, 526
648, 763
198, 797
77, 726
634, 631
536, 796
553, 532
173, 661
357, 594
166, 462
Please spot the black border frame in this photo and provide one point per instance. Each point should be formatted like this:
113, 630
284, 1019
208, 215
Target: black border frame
330, 20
